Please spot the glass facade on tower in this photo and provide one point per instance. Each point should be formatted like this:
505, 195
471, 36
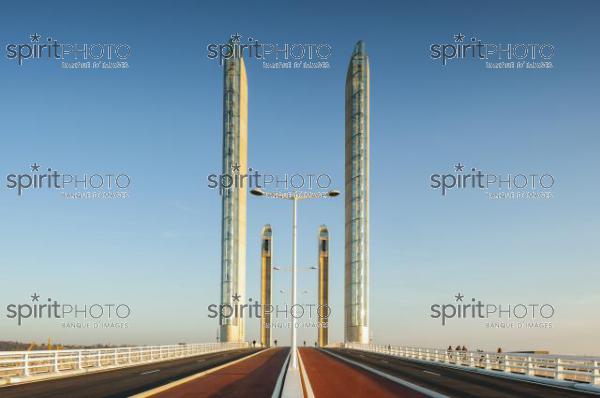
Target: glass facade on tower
356, 291
233, 222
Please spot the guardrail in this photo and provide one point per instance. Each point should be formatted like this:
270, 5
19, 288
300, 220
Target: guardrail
578, 369
18, 366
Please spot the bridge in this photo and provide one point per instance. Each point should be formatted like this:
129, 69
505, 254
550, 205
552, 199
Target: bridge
239, 370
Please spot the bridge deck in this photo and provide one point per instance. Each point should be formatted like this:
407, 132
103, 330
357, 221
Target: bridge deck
122, 382
455, 382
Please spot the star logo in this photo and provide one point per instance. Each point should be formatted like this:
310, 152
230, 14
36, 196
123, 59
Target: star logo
459, 38
459, 167
236, 297
35, 297
35, 167
35, 38
235, 167
459, 297
236, 38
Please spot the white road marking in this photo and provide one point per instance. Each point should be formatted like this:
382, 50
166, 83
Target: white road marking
149, 372
279, 383
431, 373
304, 376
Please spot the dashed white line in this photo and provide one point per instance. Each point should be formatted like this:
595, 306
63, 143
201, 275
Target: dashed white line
431, 373
149, 372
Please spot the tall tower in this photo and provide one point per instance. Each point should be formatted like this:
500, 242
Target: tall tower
322, 337
266, 283
356, 292
233, 222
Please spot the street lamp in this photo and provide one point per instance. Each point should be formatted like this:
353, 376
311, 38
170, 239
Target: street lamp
257, 192
294, 197
289, 268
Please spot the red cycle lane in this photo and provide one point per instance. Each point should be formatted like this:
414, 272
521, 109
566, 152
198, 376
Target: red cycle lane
253, 377
331, 377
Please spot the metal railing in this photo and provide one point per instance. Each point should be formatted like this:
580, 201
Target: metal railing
17, 366
579, 369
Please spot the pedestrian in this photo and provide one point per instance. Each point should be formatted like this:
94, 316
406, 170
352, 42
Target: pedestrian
254, 343
275, 343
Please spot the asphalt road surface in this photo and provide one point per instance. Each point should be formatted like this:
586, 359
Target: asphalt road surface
455, 382
253, 377
121, 382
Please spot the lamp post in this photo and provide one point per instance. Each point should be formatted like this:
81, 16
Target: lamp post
294, 197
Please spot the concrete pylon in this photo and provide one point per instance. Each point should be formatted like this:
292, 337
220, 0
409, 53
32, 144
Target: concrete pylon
266, 284
323, 308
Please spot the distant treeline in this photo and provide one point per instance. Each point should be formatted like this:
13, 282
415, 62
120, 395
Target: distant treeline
19, 346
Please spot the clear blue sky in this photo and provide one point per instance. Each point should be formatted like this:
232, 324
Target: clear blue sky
160, 122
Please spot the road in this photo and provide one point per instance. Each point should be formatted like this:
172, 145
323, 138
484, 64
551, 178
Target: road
331, 377
121, 382
455, 382
253, 377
